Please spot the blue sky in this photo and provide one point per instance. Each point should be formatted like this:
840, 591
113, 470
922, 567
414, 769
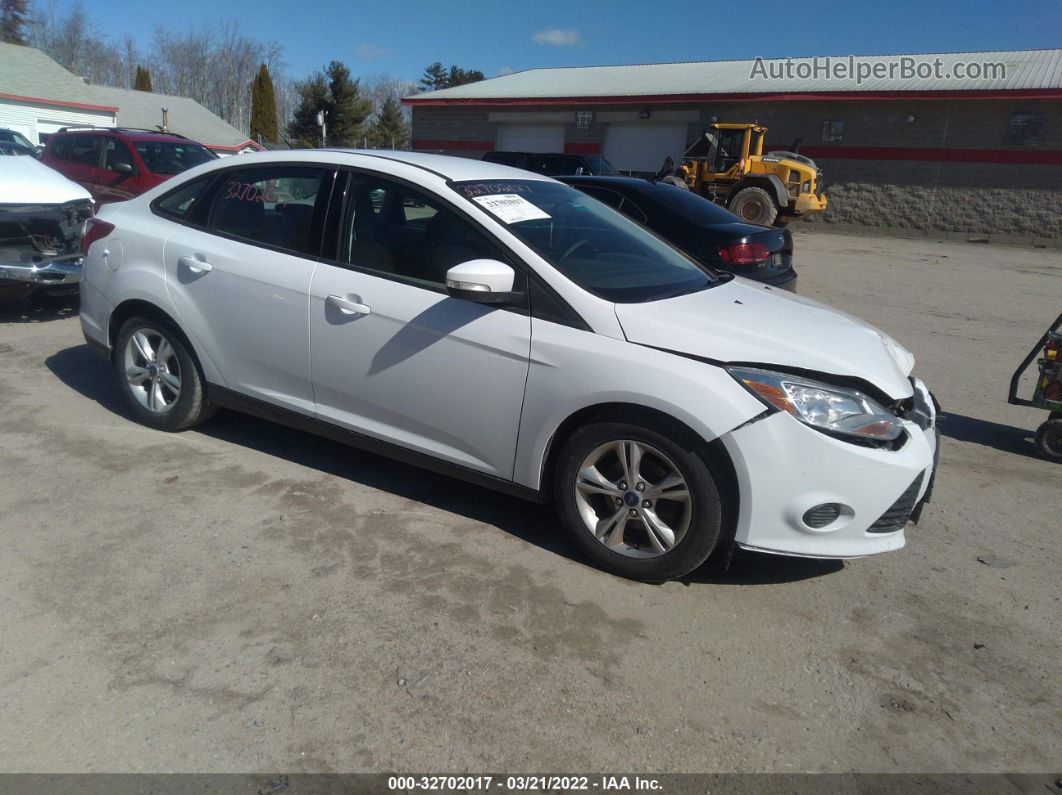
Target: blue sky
400, 37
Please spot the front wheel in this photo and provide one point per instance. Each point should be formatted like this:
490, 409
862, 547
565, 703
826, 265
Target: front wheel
158, 377
639, 503
1049, 440
754, 206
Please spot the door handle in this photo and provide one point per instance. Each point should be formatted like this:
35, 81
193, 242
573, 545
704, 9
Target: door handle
346, 306
195, 265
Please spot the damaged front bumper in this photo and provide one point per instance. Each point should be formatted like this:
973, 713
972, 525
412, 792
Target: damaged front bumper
40, 244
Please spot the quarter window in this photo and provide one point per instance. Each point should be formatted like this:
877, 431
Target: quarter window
177, 203
394, 230
275, 207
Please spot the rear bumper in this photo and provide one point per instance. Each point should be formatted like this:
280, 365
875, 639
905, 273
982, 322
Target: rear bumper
54, 272
785, 468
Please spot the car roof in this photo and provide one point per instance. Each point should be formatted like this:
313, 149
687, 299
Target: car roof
633, 183
458, 169
131, 135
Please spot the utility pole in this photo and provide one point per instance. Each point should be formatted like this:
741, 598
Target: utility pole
321, 124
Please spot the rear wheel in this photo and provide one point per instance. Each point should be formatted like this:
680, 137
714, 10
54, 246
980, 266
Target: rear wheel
157, 376
1049, 440
754, 206
639, 503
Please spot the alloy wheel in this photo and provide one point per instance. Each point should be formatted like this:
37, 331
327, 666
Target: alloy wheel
633, 499
152, 370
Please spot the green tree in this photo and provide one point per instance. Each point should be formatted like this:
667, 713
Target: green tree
459, 76
143, 79
435, 77
348, 109
13, 16
303, 130
389, 129
263, 107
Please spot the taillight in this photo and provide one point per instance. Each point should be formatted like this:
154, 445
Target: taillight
95, 230
744, 254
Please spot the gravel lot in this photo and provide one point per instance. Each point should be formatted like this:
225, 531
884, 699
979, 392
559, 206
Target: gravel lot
248, 598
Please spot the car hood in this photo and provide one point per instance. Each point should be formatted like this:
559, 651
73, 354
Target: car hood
25, 180
742, 321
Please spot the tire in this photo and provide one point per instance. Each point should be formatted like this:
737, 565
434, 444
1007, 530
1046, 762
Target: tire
754, 206
1049, 440
643, 549
152, 353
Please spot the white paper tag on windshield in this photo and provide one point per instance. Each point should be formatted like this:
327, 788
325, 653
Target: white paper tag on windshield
511, 208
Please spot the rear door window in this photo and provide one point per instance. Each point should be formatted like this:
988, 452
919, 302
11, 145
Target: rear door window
85, 149
61, 147
280, 207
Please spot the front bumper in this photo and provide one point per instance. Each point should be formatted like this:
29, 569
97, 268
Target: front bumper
809, 203
784, 468
52, 272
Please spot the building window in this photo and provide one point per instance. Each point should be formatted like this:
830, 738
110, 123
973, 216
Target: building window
833, 131
1026, 129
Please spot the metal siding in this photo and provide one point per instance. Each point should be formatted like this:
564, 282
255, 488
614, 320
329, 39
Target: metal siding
1026, 69
35, 119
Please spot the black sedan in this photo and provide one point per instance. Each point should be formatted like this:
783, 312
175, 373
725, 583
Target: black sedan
703, 229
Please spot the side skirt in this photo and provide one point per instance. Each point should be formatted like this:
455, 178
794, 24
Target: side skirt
229, 399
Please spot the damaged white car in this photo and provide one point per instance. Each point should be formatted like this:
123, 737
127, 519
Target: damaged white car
42, 221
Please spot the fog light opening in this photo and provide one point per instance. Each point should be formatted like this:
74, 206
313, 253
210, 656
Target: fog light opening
820, 516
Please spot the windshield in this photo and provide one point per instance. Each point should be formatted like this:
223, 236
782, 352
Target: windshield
172, 158
590, 243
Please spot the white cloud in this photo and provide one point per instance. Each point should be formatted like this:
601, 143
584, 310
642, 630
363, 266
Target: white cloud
370, 52
556, 37
505, 70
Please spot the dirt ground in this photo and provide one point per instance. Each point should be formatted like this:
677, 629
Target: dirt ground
249, 598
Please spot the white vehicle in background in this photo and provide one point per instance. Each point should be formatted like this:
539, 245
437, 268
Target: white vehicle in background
42, 219
510, 330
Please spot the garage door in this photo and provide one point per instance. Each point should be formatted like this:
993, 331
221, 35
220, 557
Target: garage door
643, 147
531, 138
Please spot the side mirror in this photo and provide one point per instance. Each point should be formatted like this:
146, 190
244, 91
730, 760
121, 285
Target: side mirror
122, 168
482, 281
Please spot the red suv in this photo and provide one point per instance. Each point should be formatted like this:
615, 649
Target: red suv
115, 163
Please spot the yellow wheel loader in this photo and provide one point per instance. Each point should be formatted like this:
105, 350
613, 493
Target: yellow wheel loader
727, 165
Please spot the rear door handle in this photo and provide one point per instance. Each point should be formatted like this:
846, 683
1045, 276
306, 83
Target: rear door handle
195, 265
346, 306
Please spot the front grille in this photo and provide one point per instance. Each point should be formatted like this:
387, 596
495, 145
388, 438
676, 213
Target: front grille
896, 517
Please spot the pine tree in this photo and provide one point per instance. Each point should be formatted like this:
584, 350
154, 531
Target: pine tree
435, 77
347, 108
313, 97
263, 107
13, 16
143, 79
459, 76
389, 129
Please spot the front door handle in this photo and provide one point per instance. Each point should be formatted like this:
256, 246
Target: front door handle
195, 265
346, 306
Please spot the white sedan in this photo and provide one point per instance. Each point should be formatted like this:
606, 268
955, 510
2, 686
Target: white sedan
507, 329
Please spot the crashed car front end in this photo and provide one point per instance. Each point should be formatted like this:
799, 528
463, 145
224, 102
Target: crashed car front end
40, 244
42, 221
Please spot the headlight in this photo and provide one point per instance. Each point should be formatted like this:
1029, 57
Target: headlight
822, 406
